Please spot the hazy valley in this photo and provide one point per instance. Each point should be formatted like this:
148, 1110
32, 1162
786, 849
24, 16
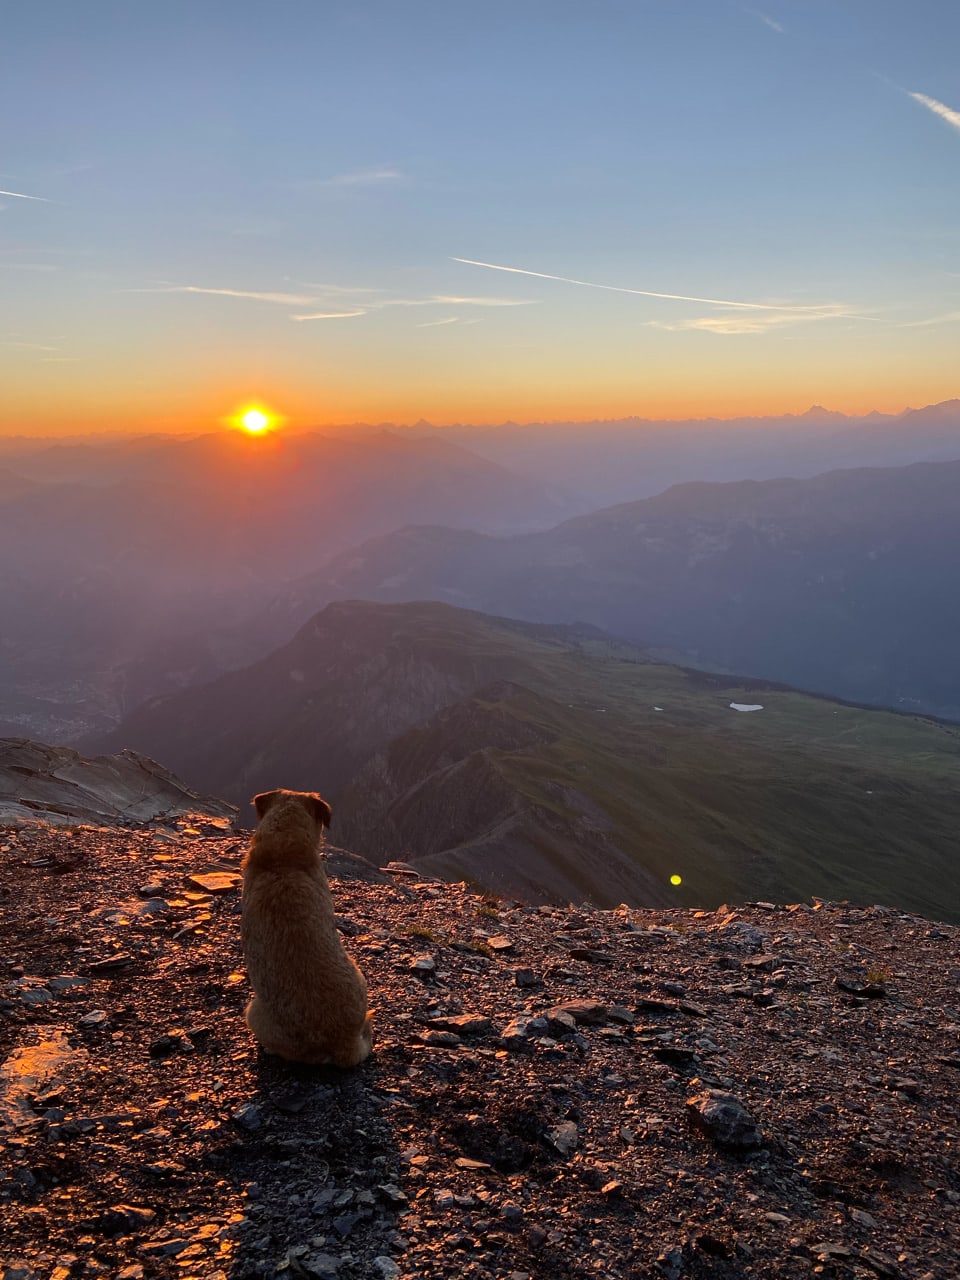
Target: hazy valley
137, 566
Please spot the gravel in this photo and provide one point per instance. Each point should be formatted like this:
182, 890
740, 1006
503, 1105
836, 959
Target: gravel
763, 1091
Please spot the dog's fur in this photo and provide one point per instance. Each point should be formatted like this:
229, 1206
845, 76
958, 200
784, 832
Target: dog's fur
310, 999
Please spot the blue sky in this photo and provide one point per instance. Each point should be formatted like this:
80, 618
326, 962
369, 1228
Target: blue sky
332, 160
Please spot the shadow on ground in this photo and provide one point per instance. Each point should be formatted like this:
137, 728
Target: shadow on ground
316, 1170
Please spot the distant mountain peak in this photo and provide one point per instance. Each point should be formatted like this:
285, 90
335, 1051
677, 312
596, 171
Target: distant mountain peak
817, 413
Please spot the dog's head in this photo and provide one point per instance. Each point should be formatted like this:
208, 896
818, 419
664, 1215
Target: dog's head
313, 803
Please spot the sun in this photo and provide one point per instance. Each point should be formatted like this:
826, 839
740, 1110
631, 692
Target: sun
255, 421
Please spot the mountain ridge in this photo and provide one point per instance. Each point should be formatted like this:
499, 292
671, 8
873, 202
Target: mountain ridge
844, 583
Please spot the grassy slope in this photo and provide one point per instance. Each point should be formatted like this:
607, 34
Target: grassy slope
805, 797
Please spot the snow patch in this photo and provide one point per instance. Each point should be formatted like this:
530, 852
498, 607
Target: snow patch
747, 706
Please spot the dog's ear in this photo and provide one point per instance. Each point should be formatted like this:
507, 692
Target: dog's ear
263, 801
321, 810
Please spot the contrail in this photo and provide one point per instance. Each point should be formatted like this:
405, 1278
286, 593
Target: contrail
938, 108
20, 196
644, 293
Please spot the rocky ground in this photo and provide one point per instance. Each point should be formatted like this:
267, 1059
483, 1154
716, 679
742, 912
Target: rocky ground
762, 1091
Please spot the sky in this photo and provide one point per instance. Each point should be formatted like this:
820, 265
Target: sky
461, 211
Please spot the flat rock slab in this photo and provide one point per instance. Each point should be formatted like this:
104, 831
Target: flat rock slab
216, 881
590, 1012
463, 1024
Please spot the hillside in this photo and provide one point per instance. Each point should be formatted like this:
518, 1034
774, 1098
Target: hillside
542, 1099
552, 764
847, 583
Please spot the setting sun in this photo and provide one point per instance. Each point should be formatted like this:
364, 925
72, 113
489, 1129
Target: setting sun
254, 421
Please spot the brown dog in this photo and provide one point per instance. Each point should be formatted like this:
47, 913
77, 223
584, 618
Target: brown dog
310, 999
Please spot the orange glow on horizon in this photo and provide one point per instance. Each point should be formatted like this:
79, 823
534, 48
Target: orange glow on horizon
90, 404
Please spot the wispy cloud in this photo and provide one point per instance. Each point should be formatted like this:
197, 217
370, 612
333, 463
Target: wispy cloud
948, 317
363, 178
455, 301
337, 290
647, 293
19, 195
333, 302
30, 346
741, 322
331, 315
432, 324
452, 300
766, 20
938, 108
285, 299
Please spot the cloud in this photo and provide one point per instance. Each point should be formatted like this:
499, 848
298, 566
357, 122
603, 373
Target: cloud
767, 21
432, 324
364, 178
949, 317
647, 293
740, 322
286, 299
331, 315
453, 300
339, 290
938, 108
363, 298
18, 195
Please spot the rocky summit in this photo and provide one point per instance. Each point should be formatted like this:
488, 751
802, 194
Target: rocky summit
759, 1091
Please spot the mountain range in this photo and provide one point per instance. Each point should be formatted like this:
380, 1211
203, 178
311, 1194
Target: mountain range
134, 567
846, 583
552, 763
605, 462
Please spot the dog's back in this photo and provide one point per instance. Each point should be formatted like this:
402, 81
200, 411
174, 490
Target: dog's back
310, 999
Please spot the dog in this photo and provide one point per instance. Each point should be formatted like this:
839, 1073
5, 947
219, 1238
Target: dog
310, 999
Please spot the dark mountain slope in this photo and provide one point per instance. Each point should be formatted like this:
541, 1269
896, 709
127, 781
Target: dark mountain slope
551, 763
351, 680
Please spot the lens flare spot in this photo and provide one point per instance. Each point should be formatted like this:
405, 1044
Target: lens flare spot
676, 880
